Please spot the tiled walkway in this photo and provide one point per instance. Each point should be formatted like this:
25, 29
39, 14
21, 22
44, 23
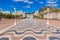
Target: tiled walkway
31, 29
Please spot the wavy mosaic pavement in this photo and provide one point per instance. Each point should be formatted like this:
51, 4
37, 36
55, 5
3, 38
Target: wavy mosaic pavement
30, 29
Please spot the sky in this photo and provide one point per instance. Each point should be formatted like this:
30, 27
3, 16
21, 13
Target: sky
27, 5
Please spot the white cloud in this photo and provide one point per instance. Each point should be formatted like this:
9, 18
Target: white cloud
41, 2
1, 9
26, 6
52, 0
30, 2
51, 3
17, 0
25, 1
55, 5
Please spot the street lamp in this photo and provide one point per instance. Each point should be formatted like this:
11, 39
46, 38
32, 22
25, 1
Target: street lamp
15, 15
48, 17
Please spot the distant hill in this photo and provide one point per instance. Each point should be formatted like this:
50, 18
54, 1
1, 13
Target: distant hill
43, 11
51, 8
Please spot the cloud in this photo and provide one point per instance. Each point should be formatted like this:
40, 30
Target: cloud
17, 0
52, 0
51, 3
1, 9
28, 6
25, 1
55, 5
30, 2
41, 2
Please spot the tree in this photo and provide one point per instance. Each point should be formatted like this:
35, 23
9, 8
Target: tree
1, 15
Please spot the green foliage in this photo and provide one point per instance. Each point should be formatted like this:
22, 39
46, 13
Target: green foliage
39, 16
57, 10
1, 15
9, 16
18, 16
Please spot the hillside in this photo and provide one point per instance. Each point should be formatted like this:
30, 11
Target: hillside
50, 8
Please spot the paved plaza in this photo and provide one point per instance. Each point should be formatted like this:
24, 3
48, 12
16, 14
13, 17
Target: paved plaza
31, 29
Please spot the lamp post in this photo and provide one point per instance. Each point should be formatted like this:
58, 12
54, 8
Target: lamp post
15, 15
47, 17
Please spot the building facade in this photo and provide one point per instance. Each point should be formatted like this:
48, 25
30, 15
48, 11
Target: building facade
52, 15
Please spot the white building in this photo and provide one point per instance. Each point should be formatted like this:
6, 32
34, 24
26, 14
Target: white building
29, 15
17, 13
50, 16
23, 14
36, 13
6, 12
58, 16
